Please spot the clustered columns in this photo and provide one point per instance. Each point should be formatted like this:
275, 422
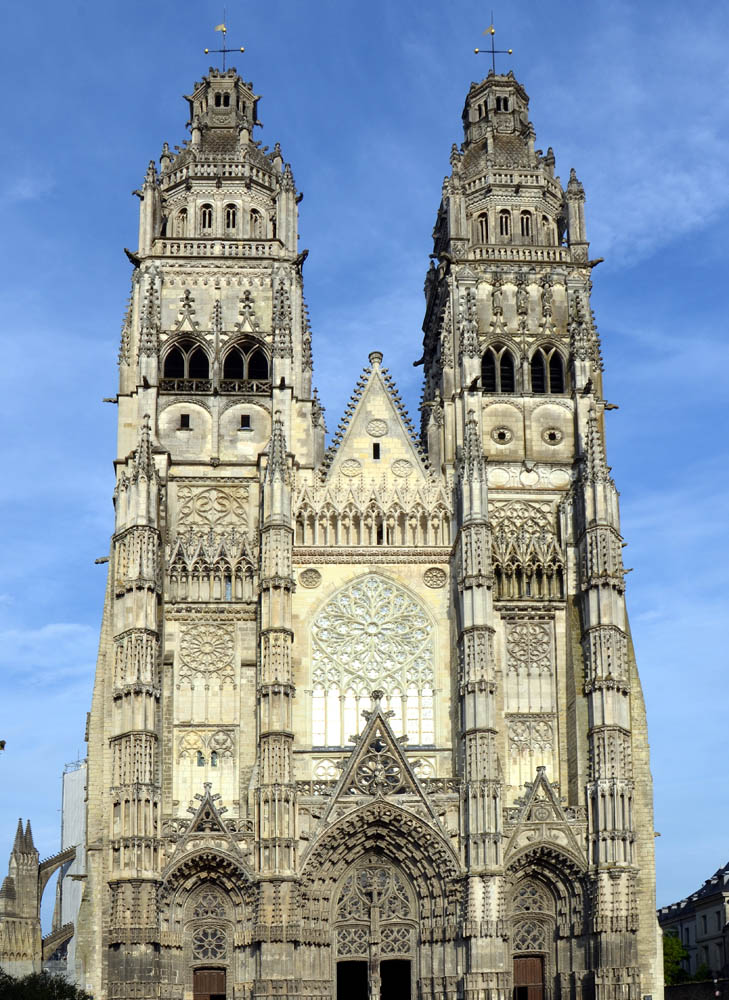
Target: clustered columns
481, 794
135, 780
276, 795
611, 835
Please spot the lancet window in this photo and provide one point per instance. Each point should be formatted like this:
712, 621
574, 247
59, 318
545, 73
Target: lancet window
372, 634
482, 228
547, 370
231, 218
245, 369
525, 222
186, 368
181, 223
505, 223
256, 224
497, 369
206, 219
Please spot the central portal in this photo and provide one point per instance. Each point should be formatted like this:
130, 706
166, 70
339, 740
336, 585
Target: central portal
376, 930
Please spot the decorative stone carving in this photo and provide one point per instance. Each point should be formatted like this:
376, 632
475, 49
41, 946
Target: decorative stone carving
213, 506
378, 773
552, 435
402, 468
208, 944
209, 905
350, 467
310, 578
206, 650
502, 435
377, 428
435, 577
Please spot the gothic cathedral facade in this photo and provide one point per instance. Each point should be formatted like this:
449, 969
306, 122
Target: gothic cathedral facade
366, 720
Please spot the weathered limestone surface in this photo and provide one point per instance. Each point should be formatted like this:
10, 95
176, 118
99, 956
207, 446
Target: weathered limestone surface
376, 702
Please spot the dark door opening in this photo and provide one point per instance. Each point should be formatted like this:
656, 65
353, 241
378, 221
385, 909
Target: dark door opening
395, 979
352, 981
529, 978
208, 984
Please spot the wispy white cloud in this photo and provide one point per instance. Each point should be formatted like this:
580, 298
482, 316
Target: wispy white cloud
51, 654
27, 186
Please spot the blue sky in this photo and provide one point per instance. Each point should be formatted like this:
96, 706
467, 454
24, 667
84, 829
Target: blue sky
366, 101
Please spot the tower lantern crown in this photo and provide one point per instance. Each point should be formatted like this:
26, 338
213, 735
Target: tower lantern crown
223, 100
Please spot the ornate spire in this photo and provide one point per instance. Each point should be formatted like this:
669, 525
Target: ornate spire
19, 842
594, 464
282, 344
277, 464
149, 338
28, 838
143, 466
473, 461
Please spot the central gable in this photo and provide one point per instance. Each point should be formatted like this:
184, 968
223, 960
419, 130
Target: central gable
375, 439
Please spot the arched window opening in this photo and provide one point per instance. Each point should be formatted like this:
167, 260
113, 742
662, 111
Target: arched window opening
231, 217
547, 231
393, 638
245, 369
526, 223
186, 368
539, 374
482, 228
226, 100
181, 223
174, 366
497, 369
556, 372
505, 223
256, 224
198, 365
502, 103
206, 218
547, 370
234, 365
217, 100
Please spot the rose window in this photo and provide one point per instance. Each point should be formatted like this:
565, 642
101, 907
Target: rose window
371, 635
208, 944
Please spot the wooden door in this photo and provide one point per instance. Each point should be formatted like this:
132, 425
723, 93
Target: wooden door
529, 978
208, 984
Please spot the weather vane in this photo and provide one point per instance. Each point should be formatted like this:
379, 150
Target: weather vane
492, 51
222, 27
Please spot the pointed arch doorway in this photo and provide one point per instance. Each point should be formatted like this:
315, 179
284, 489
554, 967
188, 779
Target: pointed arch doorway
375, 927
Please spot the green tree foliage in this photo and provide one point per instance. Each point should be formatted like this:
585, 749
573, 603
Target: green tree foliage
39, 986
702, 973
673, 954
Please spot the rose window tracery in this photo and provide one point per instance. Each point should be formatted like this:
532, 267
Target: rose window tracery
371, 634
378, 773
208, 944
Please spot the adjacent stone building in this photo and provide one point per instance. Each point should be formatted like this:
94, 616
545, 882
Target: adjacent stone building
701, 923
366, 719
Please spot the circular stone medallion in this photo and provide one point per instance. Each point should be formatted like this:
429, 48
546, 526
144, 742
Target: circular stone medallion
350, 467
552, 435
310, 578
434, 578
377, 428
401, 467
501, 435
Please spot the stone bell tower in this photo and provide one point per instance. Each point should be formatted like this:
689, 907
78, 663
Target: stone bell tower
557, 805
192, 705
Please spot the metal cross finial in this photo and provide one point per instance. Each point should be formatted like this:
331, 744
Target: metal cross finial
222, 27
492, 51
